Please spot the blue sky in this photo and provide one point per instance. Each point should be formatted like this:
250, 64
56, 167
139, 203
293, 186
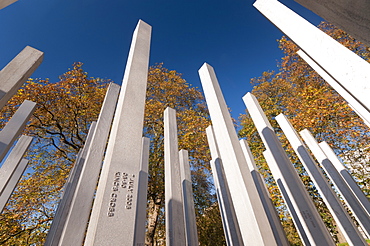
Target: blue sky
232, 36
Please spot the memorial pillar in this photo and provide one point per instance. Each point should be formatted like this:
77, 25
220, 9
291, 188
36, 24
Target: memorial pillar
142, 199
346, 176
191, 232
15, 126
174, 211
357, 210
11, 163
352, 102
269, 207
17, 71
4, 3
339, 213
311, 221
83, 195
277, 175
228, 216
344, 66
9, 188
115, 207
248, 207
64, 206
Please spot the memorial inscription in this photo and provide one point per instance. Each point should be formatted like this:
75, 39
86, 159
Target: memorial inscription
125, 181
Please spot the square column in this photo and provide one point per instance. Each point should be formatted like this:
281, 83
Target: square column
306, 211
248, 206
174, 210
4, 3
348, 69
357, 210
15, 126
188, 200
11, 163
17, 71
352, 102
79, 207
346, 176
115, 204
228, 216
268, 205
331, 200
69, 189
10, 187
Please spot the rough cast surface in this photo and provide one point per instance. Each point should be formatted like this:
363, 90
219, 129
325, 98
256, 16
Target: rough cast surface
341, 217
142, 200
248, 207
346, 175
92, 156
351, 16
9, 188
276, 173
268, 205
15, 126
4, 3
357, 210
191, 232
349, 70
174, 210
115, 205
299, 197
12, 161
64, 205
353, 103
17, 71
227, 210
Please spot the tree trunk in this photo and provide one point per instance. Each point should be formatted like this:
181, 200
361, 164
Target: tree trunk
153, 214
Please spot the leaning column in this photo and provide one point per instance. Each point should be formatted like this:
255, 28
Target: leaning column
348, 196
360, 110
17, 71
188, 200
81, 200
306, 210
278, 177
115, 205
4, 3
269, 207
331, 200
248, 206
15, 126
342, 170
227, 210
348, 69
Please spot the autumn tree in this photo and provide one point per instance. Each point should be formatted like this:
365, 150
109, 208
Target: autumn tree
309, 102
65, 110
166, 88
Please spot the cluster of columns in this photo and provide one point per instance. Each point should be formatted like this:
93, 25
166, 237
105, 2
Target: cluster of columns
340, 68
115, 156
311, 228
344, 70
181, 226
12, 145
114, 212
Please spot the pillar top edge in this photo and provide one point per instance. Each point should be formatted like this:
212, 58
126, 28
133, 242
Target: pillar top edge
142, 23
205, 66
169, 109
